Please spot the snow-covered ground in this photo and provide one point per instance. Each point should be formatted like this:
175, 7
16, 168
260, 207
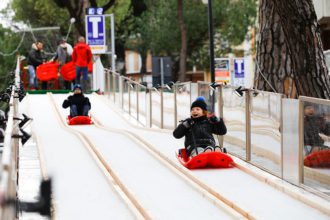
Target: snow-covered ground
82, 192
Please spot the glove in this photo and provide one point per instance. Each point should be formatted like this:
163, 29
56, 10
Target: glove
324, 137
188, 123
214, 119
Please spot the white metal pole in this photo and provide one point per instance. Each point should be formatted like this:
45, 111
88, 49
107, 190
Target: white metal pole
113, 55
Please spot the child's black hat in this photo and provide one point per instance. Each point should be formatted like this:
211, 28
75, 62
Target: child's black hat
199, 102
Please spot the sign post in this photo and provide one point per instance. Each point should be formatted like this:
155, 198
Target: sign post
222, 70
239, 72
95, 33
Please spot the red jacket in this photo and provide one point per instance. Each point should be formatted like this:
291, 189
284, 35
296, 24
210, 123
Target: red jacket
81, 54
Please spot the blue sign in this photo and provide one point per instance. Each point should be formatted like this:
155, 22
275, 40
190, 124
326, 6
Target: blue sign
239, 67
94, 11
95, 33
99, 11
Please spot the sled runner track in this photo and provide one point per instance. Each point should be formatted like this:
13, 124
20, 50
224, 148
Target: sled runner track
181, 172
113, 179
230, 210
41, 154
268, 179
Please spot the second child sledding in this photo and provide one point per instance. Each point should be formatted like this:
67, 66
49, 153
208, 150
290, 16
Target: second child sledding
79, 107
198, 131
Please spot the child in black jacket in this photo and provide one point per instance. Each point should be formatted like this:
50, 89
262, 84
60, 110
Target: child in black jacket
79, 104
198, 129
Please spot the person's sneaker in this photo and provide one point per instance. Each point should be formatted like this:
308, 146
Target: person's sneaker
208, 149
217, 149
32, 88
224, 150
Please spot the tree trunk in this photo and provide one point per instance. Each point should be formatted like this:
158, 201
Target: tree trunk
183, 52
289, 56
143, 69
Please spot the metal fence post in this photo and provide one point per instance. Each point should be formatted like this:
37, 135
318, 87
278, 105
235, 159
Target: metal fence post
220, 106
129, 97
114, 87
175, 106
248, 125
108, 83
150, 107
137, 102
161, 107
190, 92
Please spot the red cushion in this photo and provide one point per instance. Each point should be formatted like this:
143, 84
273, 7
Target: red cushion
47, 71
68, 71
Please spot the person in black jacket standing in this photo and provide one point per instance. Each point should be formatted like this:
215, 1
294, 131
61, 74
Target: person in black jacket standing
34, 60
198, 129
79, 104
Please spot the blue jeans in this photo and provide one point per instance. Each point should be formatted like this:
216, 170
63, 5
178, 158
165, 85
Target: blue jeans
74, 110
84, 71
33, 77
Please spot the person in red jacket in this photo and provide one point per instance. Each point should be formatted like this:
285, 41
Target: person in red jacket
81, 56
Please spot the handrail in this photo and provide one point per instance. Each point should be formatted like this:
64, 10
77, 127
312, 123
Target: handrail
260, 105
10, 149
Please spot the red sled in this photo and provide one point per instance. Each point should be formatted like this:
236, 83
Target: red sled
68, 71
80, 120
47, 71
205, 160
318, 159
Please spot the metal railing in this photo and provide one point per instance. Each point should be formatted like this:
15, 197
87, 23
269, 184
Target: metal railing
8, 184
254, 119
10, 205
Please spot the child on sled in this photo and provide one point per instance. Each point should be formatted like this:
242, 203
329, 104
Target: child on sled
79, 104
198, 129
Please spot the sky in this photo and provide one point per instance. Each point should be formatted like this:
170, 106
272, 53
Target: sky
4, 20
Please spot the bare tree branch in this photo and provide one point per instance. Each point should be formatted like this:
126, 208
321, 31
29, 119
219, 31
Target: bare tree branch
93, 3
108, 5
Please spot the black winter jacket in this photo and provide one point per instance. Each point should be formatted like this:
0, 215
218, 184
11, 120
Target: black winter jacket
35, 58
313, 125
77, 99
200, 134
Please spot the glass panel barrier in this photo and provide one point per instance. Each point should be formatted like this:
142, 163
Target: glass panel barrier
156, 110
194, 91
290, 126
111, 87
168, 102
125, 97
117, 89
143, 104
107, 84
133, 95
265, 132
207, 93
183, 100
234, 117
316, 145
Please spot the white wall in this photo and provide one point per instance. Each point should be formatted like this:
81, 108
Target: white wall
322, 8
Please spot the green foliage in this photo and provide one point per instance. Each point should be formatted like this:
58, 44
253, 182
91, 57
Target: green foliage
144, 25
8, 43
158, 28
40, 13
